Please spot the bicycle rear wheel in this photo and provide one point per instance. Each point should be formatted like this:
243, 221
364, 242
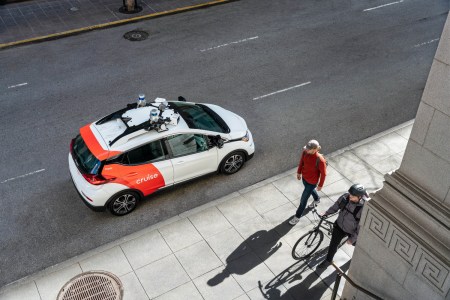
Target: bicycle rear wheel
307, 244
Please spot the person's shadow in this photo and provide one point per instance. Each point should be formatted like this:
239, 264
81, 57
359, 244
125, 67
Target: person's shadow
264, 243
309, 287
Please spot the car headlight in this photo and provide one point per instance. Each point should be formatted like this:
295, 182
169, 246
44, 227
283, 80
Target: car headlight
246, 137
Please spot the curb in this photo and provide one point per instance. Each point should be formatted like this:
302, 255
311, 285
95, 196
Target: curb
183, 215
59, 35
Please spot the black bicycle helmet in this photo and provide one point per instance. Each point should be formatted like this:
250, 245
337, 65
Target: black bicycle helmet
357, 190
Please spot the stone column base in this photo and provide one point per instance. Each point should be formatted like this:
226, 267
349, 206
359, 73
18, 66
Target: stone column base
403, 246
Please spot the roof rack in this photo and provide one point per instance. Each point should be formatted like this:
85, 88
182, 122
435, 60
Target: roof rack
155, 119
116, 115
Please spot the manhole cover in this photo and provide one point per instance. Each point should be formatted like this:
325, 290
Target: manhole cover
92, 285
136, 35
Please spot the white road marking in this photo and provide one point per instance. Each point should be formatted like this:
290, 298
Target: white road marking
283, 90
228, 44
426, 43
21, 176
17, 85
383, 5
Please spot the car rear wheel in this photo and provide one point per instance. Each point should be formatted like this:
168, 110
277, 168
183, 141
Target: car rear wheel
232, 163
123, 203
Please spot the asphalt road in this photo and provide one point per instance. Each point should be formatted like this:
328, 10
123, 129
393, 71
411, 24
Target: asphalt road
366, 67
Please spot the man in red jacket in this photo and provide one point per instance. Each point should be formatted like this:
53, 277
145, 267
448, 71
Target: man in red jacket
312, 169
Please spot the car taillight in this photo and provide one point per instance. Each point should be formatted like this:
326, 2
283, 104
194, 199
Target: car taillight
96, 179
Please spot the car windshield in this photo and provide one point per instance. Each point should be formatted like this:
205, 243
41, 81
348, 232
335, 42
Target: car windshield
199, 116
86, 161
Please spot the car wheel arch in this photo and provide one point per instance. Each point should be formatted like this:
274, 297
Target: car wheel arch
138, 193
245, 154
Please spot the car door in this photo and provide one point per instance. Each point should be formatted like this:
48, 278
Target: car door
146, 168
191, 156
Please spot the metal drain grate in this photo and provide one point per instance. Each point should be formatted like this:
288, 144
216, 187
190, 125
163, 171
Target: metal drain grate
136, 35
97, 285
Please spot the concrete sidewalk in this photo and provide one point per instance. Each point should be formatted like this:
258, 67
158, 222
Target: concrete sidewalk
236, 247
39, 20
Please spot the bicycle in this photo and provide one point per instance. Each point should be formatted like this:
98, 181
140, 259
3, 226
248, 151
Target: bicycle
308, 243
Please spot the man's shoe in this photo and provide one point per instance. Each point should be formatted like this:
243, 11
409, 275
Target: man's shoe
314, 203
294, 220
324, 264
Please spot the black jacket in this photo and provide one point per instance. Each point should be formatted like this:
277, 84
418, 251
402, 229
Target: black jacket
346, 221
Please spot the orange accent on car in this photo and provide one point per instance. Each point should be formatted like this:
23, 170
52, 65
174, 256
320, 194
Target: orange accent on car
93, 144
145, 178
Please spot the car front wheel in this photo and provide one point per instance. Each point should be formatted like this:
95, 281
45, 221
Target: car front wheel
123, 203
232, 163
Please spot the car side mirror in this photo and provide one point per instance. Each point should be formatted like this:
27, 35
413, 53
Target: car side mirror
217, 141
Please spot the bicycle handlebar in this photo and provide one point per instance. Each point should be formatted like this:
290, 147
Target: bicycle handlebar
323, 217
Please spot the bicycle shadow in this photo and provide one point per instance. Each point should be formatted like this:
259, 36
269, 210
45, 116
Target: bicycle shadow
262, 244
312, 286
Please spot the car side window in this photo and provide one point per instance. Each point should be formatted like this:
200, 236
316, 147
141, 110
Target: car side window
148, 153
185, 144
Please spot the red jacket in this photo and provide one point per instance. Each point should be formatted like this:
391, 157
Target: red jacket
311, 173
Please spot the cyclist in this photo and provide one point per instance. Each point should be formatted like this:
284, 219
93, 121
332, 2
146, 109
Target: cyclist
347, 223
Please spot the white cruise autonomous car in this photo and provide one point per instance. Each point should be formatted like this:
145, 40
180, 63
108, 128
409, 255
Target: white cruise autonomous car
144, 147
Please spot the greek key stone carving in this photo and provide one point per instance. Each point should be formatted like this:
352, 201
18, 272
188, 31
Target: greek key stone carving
403, 246
424, 264
377, 224
432, 270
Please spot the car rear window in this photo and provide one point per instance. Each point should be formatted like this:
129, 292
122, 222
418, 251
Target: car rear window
199, 116
86, 161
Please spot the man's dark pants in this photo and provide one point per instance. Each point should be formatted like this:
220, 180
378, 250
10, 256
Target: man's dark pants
336, 237
310, 189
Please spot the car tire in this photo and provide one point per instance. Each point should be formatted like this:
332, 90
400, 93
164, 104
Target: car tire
123, 203
232, 163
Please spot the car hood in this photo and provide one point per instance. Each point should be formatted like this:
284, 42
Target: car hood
238, 126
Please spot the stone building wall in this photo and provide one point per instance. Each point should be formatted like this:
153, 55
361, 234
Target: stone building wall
404, 247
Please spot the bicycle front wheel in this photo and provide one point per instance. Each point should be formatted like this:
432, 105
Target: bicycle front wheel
307, 244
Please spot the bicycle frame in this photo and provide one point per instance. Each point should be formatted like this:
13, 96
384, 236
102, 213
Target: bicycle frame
323, 222
308, 243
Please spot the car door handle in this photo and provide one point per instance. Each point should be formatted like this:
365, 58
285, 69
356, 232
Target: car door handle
132, 174
180, 162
